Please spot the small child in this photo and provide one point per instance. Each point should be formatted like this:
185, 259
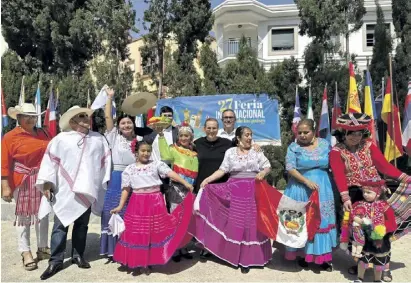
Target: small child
151, 235
372, 223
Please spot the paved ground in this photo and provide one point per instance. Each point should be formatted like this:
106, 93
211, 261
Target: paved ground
186, 270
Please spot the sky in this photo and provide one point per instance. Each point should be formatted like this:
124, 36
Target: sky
140, 6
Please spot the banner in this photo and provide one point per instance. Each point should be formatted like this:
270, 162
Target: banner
258, 112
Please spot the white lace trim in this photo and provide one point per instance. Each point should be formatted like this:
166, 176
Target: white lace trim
228, 239
107, 232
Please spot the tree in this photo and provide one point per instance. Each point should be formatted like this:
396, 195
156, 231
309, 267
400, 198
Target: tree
379, 67
323, 19
60, 37
213, 81
401, 11
159, 15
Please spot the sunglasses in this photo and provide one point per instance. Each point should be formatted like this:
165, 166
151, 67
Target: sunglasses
28, 116
82, 116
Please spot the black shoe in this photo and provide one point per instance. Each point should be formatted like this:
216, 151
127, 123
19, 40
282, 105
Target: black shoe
81, 262
176, 258
51, 270
302, 263
186, 255
353, 270
245, 270
327, 266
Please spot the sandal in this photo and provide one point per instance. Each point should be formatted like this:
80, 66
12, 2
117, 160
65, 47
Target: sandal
29, 266
43, 253
386, 276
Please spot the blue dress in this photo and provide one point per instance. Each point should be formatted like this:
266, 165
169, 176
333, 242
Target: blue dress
313, 165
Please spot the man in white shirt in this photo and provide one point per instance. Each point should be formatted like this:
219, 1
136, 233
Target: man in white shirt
228, 131
73, 176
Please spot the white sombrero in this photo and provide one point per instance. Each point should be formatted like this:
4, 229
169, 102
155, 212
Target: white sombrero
138, 103
24, 109
73, 111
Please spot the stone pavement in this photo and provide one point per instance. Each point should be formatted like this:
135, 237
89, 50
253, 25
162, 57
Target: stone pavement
186, 270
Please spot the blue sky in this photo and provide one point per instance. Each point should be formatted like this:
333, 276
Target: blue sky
140, 6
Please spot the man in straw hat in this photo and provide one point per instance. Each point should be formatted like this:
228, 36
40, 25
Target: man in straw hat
73, 176
22, 150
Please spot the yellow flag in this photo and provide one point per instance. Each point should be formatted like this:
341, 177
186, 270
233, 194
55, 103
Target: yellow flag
353, 102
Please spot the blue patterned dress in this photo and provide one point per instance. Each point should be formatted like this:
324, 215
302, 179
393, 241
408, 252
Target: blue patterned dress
313, 165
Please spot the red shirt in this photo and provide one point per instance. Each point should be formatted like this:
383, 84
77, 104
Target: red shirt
350, 169
21, 146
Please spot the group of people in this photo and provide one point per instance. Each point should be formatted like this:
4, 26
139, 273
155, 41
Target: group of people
150, 180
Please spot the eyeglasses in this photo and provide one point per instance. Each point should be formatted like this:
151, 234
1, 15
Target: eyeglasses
32, 117
82, 116
228, 118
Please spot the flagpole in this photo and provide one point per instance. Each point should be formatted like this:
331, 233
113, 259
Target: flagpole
392, 112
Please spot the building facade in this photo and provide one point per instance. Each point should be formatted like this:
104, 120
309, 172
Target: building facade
274, 33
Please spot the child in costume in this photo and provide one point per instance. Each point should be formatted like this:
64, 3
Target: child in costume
372, 224
151, 235
185, 163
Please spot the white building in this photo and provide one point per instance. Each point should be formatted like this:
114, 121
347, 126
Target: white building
273, 31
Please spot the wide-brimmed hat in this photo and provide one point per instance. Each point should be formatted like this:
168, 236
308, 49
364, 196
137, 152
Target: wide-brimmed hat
138, 103
73, 111
24, 109
353, 122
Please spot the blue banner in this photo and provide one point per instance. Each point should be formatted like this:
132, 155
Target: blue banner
260, 113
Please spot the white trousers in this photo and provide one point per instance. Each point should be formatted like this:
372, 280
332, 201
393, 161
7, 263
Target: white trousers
23, 232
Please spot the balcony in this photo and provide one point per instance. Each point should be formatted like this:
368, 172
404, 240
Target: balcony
230, 48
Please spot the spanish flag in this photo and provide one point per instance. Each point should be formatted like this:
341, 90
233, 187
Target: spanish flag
353, 102
390, 115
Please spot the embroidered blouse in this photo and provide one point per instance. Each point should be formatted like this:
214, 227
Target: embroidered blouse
184, 161
120, 148
351, 169
253, 161
300, 158
145, 177
379, 212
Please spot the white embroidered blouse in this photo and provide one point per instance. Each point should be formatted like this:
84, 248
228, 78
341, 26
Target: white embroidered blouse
144, 177
120, 148
253, 161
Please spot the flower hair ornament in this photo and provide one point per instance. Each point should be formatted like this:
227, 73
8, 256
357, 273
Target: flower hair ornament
185, 128
133, 145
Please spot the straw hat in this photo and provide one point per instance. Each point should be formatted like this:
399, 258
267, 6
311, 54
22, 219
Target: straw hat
73, 111
24, 109
138, 103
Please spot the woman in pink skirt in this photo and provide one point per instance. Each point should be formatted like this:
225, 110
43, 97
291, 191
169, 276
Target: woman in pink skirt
151, 235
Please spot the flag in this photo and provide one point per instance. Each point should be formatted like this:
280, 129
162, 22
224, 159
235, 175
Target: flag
88, 99
286, 220
150, 113
4, 118
100, 100
310, 113
37, 104
113, 110
369, 107
353, 102
378, 104
297, 112
22, 98
406, 122
336, 111
50, 118
324, 125
391, 116
139, 121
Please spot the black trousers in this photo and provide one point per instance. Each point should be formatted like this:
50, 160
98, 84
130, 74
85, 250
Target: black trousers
78, 236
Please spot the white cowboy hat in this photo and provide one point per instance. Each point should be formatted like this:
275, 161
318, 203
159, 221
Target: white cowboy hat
73, 111
138, 103
24, 109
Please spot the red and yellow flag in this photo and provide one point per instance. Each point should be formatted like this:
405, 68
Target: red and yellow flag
353, 102
390, 115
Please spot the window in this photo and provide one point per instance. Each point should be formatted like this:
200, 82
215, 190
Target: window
132, 65
369, 34
233, 45
150, 65
282, 39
